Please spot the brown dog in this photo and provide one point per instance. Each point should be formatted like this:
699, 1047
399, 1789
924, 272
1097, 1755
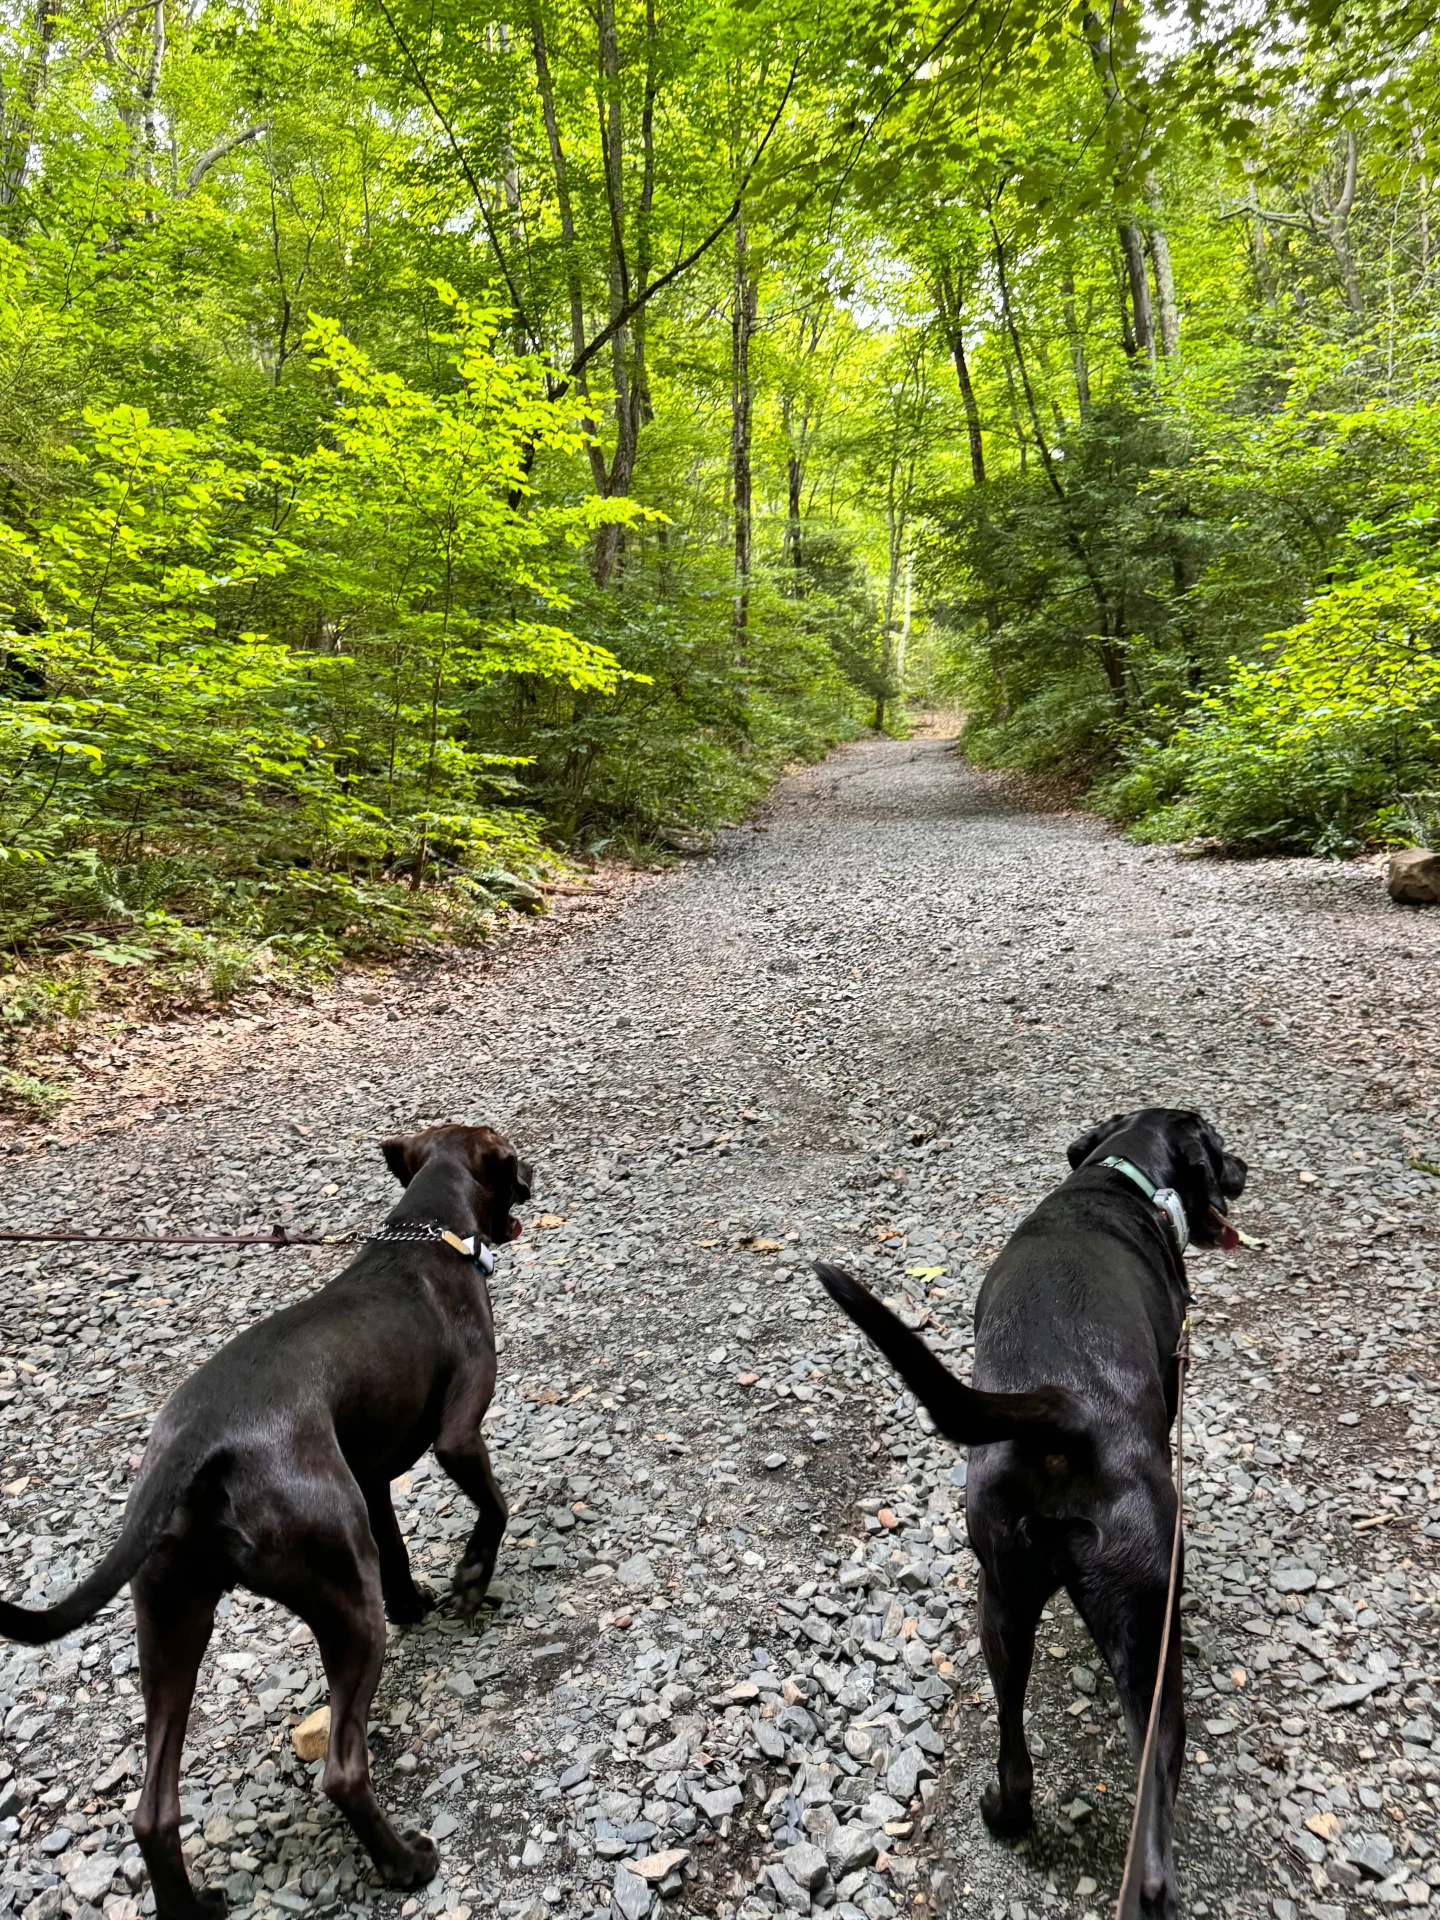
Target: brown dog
270, 1468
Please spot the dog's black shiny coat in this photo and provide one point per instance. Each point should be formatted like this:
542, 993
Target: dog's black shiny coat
1076, 1328
270, 1468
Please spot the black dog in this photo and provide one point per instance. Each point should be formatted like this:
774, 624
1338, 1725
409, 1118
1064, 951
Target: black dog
270, 1468
1070, 1484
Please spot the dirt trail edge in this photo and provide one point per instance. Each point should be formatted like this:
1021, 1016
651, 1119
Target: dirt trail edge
731, 1669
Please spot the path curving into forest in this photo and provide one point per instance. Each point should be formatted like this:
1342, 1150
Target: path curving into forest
865, 1030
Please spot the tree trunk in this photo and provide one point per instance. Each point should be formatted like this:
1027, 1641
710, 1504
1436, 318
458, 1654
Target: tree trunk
949, 297
1110, 622
1022, 444
1340, 227
794, 487
1079, 365
1132, 241
610, 541
17, 124
742, 327
1142, 325
1422, 209
560, 169
1167, 312
150, 92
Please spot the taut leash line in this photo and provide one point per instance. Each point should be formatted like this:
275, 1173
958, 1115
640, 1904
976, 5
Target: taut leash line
1127, 1907
278, 1236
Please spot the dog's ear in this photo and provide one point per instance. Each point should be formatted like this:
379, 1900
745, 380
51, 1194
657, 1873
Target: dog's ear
1230, 1169
399, 1159
1080, 1150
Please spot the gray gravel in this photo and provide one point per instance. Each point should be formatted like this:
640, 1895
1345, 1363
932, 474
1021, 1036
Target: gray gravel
732, 1668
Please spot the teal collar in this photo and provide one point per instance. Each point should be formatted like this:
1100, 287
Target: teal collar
1166, 1199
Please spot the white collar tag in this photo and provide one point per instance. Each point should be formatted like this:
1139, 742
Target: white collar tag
484, 1258
1165, 1198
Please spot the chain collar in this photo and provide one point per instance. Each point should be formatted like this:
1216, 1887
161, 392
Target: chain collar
421, 1232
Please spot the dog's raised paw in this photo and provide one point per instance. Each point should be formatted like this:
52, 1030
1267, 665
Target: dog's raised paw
1006, 1819
471, 1584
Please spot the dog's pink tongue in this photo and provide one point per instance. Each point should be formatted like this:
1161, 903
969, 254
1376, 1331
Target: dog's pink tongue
1229, 1238
517, 1226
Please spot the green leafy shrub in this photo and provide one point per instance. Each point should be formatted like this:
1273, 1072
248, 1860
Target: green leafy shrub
1315, 748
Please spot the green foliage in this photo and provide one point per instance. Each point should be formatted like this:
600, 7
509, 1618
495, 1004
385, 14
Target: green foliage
160, 751
1320, 747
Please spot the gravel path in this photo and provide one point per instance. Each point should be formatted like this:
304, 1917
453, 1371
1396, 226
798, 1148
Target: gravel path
733, 1666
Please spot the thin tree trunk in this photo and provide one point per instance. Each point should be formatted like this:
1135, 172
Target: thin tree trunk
902, 645
1132, 241
609, 541
794, 484
1142, 324
1422, 210
742, 327
1079, 365
17, 123
1110, 655
949, 296
150, 92
1340, 227
573, 285
1022, 444
643, 409
1167, 312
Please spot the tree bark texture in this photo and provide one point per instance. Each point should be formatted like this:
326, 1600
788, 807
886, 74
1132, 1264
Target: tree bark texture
744, 310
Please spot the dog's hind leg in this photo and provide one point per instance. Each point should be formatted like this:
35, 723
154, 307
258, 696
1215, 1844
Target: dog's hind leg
311, 1548
346, 1613
464, 1456
1009, 1614
405, 1602
174, 1617
1125, 1621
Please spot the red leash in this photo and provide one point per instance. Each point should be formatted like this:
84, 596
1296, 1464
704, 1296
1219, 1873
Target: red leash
278, 1236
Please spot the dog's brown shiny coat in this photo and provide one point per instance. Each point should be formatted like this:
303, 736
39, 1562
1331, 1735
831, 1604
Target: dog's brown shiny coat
270, 1468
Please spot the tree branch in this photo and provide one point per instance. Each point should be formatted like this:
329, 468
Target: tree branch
633, 305
213, 155
459, 152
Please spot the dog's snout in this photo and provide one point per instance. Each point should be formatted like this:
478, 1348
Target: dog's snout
1233, 1176
524, 1175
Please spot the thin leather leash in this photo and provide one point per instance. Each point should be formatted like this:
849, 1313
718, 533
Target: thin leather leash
402, 1232
278, 1236
1127, 1907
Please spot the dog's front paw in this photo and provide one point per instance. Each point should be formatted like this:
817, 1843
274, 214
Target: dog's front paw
422, 1861
207, 1903
404, 1609
472, 1583
1006, 1819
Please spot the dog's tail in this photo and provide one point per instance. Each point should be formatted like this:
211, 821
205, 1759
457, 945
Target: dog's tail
1047, 1420
143, 1526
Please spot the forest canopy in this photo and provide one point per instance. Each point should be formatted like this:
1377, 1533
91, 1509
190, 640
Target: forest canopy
435, 440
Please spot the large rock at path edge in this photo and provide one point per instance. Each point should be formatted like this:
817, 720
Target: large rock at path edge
1413, 877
